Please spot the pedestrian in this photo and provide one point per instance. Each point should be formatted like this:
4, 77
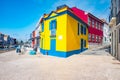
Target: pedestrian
18, 49
35, 48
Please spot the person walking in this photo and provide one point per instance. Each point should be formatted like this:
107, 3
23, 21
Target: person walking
18, 49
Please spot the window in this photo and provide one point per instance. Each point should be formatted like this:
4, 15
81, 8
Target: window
96, 38
99, 26
92, 37
89, 21
79, 29
84, 43
82, 29
99, 39
53, 27
96, 25
105, 38
89, 37
42, 26
92, 23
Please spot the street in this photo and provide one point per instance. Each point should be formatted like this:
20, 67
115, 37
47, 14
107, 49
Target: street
77, 67
2, 50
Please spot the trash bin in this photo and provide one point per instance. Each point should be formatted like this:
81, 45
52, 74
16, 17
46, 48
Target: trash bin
32, 52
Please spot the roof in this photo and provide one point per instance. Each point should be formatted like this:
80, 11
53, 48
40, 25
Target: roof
80, 14
83, 15
95, 17
69, 10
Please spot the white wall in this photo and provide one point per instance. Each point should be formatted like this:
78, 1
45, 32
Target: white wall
106, 32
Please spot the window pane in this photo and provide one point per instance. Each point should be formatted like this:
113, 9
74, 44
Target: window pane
96, 25
81, 29
89, 36
78, 28
92, 37
96, 38
84, 43
53, 27
84, 30
89, 21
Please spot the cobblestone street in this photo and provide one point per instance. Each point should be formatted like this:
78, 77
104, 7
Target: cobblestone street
86, 66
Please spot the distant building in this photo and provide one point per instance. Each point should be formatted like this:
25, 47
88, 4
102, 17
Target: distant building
33, 39
95, 26
35, 36
1, 40
106, 33
6, 41
63, 33
115, 28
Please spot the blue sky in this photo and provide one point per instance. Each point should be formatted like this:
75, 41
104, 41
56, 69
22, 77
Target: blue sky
18, 18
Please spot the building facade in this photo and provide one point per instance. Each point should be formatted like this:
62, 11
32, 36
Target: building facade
106, 33
1, 40
63, 33
35, 37
6, 41
95, 27
115, 28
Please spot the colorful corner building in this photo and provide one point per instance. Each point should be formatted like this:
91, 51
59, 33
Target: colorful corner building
63, 33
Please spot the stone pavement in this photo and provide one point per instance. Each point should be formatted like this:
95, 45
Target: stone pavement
76, 67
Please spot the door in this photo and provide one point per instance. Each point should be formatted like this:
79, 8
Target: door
53, 46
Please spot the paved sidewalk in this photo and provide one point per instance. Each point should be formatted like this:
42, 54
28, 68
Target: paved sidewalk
76, 67
97, 51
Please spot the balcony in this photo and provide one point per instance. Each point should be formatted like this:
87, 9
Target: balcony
53, 33
112, 22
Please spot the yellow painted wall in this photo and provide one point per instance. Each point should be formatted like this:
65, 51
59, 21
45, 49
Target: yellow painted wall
67, 30
73, 39
61, 31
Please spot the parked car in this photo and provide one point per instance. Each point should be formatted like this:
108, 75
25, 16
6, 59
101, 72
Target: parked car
26, 48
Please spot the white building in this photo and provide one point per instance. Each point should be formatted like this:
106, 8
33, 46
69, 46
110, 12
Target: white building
106, 34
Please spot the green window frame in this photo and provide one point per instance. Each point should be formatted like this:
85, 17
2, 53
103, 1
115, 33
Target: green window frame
42, 27
82, 29
84, 43
79, 30
53, 27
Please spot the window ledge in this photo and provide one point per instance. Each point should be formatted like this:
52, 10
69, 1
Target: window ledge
52, 36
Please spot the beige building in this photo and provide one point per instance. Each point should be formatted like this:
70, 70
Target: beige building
115, 28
